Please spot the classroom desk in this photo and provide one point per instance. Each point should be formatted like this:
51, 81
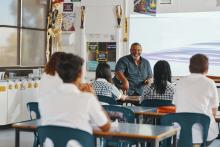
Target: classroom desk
130, 99
140, 132
158, 115
139, 110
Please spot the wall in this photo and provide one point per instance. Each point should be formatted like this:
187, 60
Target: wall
189, 6
100, 18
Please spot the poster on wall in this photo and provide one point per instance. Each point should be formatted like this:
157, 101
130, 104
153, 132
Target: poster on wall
68, 22
145, 6
68, 18
101, 52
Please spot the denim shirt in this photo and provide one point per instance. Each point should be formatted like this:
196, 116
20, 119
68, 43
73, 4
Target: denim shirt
135, 74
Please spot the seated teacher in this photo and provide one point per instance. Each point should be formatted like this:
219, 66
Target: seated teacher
132, 72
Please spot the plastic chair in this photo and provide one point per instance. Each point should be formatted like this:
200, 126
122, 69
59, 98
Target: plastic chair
33, 107
122, 114
61, 135
186, 121
156, 103
107, 99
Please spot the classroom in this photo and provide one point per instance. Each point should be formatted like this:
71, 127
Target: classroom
110, 73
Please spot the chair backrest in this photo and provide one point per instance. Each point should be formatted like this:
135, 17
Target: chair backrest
120, 113
186, 121
33, 107
156, 103
107, 99
61, 135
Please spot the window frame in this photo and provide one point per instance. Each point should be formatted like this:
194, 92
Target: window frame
19, 28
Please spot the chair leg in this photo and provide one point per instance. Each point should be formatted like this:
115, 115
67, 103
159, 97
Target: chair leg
36, 140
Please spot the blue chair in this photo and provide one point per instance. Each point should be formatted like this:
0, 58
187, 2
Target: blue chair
122, 114
156, 103
33, 107
186, 121
107, 99
61, 135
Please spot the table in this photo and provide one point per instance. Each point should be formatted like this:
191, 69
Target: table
139, 110
140, 132
130, 99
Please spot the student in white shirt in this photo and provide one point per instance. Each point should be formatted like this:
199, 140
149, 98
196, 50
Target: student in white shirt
197, 93
68, 106
50, 79
103, 83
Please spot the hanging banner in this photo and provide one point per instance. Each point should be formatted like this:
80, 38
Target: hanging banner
145, 6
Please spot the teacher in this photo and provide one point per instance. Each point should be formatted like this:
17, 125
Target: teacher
132, 72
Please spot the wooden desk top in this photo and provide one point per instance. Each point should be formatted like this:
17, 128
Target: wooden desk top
126, 130
158, 115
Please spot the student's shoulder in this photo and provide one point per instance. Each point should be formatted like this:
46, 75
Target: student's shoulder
88, 95
208, 80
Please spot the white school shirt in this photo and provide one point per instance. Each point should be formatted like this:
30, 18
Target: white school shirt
197, 93
48, 84
68, 106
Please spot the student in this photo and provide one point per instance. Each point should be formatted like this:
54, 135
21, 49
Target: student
133, 72
161, 88
197, 93
103, 83
50, 79
68, 106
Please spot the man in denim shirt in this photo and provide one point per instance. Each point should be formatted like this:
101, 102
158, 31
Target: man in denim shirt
132, 71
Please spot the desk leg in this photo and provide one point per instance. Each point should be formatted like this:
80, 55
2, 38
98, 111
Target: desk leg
155, 143
175, 140
17, 138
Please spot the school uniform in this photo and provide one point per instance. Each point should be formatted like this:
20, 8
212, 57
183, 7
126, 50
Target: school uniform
68, 106
103, 87
197, 93
149, 92
48, 84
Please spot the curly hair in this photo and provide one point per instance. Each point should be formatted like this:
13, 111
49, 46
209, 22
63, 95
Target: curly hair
51, 66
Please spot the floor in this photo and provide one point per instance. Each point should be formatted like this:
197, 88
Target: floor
7, 138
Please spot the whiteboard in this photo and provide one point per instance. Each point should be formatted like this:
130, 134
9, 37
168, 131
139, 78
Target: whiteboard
175, 37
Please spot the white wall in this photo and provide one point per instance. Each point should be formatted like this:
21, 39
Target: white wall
189, 6
100, 18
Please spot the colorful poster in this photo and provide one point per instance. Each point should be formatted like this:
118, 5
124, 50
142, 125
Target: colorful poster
68, 22
145, 6
101, 52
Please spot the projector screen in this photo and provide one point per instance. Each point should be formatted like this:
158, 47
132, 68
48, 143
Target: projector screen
175, 37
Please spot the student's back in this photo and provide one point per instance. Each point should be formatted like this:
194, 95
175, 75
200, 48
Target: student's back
70, 107
197, 93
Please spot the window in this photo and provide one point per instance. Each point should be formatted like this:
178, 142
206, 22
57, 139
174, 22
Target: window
23, 32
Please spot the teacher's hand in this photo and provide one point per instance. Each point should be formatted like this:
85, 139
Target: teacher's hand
125, 86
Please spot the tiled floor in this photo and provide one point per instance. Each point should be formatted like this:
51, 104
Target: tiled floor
7, 138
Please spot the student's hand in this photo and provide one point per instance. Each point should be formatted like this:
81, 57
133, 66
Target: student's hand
85, 87
123, 97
